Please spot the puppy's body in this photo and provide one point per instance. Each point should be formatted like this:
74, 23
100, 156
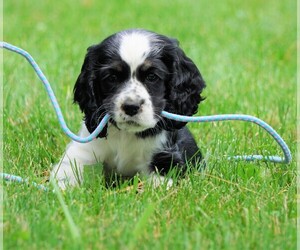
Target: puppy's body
134, 75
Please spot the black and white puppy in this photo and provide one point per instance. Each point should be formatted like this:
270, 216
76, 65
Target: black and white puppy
133, 76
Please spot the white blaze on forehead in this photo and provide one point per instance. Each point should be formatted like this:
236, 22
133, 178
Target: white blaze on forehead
134, 49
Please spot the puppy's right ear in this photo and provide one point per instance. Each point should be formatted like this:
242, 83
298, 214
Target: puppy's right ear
84, 94
83, 89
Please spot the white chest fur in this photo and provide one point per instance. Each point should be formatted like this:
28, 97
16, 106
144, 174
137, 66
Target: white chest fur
128, 154
121, 152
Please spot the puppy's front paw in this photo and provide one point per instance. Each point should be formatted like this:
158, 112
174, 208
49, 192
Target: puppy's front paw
157, 181
65, 176
62, 184
65, 182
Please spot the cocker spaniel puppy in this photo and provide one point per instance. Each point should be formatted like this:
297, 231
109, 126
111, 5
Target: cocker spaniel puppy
133, 76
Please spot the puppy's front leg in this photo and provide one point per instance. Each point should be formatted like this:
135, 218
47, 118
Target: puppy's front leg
69, 170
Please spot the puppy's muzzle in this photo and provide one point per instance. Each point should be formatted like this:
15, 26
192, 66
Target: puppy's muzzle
132, 108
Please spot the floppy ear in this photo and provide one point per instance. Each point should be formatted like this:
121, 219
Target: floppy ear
84, 94
184, 88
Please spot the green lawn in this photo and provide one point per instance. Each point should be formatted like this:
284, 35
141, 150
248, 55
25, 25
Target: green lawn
245, 50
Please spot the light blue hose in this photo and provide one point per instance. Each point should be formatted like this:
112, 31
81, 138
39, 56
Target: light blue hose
213, 118
15, 178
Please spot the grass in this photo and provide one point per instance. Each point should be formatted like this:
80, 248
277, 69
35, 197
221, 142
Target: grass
246, 51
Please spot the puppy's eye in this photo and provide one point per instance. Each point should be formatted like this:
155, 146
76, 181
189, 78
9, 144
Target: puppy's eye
112, 78
151, 77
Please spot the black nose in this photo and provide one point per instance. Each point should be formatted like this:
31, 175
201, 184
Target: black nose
131, 109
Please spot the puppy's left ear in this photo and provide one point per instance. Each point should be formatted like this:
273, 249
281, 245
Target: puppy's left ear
184, 89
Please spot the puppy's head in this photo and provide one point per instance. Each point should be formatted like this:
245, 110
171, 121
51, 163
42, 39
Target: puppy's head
133, 76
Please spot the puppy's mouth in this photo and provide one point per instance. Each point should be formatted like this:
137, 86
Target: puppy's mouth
132, 123
129, 125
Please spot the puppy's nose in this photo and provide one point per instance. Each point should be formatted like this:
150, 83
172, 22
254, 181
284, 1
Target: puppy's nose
131, 109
